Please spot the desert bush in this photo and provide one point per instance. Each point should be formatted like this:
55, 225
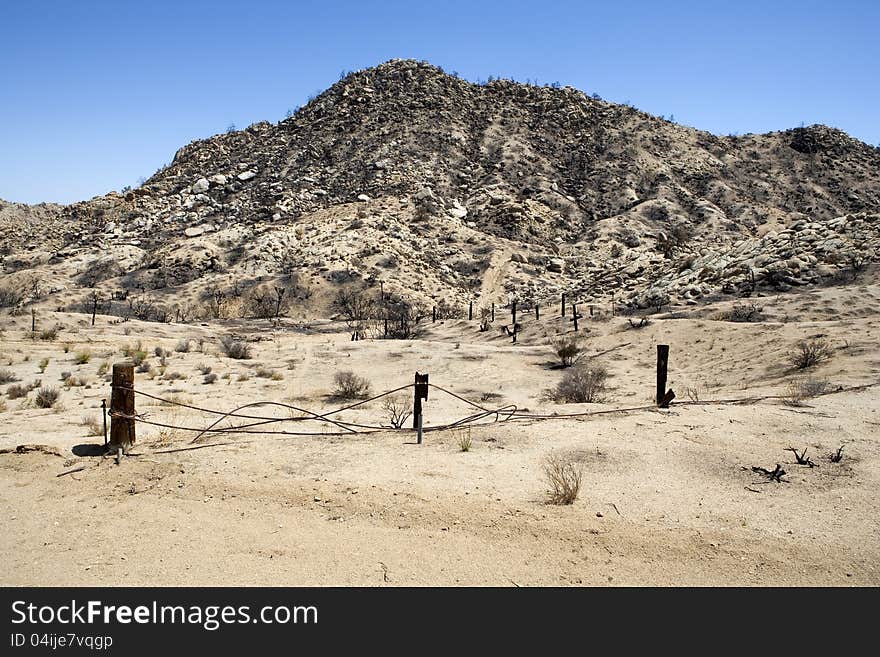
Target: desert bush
567, 348
209, 378
11, 296
82, 357
403, 319
143, 367
582, 384
808, 353
237, 349
397, 408
742, 312
103, 368
204, 369
2, 405
161, 352
801, 389
564, 478
93, 426
349, 385
47, 397
44, 363
182, 346
48, 334
7, 376
17, 391
266, 373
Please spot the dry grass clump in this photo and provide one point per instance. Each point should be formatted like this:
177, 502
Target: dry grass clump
17, 391
82, 357
582, 384
43, 364
209, 378
564, 478
237, 349
182, 346
742, 312
103, 368
464, 440
808, 353
567, 348
349, 385
397, 408
48, 334
7, 376
92, 425
204, 369
47, 397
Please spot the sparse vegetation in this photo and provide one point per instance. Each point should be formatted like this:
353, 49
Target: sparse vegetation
182, 346
564, 478
103, 368
809, 353
209, 378
43, 364
464, 440
349, 385
82, 357
49, 334
741, 312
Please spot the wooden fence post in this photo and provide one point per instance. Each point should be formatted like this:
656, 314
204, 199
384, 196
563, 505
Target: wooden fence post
513, 314
471, 310
563, 304
434, 314
574, 315
537, 311
122, 408
664, 397
493, 311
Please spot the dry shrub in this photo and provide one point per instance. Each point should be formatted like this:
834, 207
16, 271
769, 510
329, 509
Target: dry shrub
567, 348
398, 408
237, 349
464, 440
801, 389
182, 346
808, 353
49, 334
351, 386
742, 312
82, 357
210, 378
564, 478
582, 384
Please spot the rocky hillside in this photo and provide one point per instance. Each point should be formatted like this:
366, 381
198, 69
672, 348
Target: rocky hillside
428, 185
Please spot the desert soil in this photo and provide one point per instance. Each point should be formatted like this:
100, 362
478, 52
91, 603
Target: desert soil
668, 497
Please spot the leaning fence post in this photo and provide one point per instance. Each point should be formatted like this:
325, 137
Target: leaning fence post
122, 408
664, 397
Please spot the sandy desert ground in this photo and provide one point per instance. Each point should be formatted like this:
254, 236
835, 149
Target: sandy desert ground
667, 497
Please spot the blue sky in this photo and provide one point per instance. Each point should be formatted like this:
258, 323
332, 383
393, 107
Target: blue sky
95, 95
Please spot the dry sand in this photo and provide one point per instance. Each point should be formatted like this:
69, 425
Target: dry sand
668, 496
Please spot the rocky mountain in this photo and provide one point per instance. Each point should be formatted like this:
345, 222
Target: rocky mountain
405, 177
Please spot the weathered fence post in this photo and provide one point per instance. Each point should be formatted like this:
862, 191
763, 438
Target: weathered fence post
471, 310
434, 314
563, 304
33, 322
420, 392
574, 315
591, 310
537, 311
513, 314
493, 311
122, 408
664, 397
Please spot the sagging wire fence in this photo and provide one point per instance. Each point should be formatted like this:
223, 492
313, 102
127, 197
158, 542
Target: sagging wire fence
123, 416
